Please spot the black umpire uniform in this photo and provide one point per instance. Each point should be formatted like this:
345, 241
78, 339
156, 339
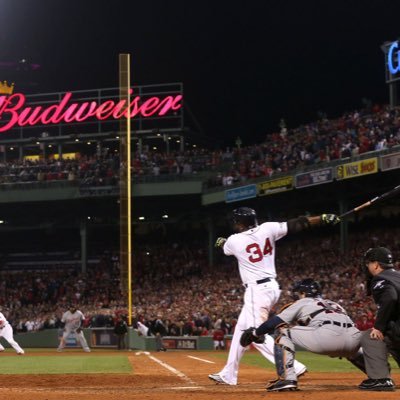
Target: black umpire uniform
159, 330
120, 330
384, 338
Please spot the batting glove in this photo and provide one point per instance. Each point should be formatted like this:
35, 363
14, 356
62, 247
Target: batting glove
220, 242
329, 219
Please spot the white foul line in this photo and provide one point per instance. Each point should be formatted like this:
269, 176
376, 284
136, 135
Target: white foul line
202, 359
172, 369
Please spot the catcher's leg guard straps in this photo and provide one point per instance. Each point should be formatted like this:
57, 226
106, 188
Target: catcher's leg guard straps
284, 357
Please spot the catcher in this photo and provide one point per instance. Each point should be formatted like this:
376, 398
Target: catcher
317, 325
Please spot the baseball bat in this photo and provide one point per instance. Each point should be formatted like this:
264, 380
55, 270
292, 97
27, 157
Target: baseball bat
376, 199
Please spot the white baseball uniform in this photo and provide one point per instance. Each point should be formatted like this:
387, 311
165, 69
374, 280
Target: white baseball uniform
254, 250
324, 328
73, 321
6, 331
142, 329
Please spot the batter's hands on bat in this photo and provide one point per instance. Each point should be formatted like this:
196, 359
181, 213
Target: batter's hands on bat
220, 242
329, 219
249, 336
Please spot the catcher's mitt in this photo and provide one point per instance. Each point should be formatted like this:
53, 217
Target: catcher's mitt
249, 336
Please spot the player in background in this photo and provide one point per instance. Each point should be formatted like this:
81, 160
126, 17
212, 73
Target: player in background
254, 248
6, 331
73, 320
143, 329
316, 324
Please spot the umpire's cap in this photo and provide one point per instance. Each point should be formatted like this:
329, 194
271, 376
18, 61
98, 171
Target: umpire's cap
380, 254
309, 287
245, 216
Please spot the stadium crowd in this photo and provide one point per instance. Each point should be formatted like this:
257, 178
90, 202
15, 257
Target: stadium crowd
174, 283
324, 140
87, 170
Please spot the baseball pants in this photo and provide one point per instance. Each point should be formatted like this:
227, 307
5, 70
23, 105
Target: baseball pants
376, 354
258, 301
79, 337
331, 340
7, 333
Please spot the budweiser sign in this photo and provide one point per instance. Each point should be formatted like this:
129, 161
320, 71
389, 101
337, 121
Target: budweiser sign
14, 112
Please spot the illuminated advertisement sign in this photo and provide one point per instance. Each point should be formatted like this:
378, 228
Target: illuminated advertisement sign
393, 57
275, 186
357, 168
15, 113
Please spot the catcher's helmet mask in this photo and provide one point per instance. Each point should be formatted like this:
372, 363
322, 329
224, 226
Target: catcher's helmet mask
244, 216
380, 254
309, 287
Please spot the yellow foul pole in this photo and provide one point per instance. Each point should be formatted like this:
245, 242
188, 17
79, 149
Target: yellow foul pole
126, 184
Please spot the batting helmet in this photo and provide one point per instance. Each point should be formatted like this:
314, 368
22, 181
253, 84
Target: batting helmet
245, 216
381, 254
309, 287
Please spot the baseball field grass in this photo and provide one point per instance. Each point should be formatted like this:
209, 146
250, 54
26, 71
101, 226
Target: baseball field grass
66, 363
96, 362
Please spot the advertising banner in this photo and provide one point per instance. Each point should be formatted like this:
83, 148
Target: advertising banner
389, 162
240, 193
314, 178
357, 168
103, 337
180, 343
275, 186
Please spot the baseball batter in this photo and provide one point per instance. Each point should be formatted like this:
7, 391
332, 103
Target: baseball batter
73, 320
320, 326
254, 248
6, 331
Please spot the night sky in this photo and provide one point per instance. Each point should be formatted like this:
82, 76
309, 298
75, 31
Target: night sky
244, 65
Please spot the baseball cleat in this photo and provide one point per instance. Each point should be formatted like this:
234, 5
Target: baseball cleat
299, 375
377, 385
218, 379
87, 350
282, 386
21, 353
59, 349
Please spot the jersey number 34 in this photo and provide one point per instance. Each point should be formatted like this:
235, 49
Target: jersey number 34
256, 253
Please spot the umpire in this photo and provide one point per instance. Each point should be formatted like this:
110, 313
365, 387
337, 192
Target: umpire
384, 338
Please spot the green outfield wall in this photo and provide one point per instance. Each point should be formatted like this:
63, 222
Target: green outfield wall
105, 338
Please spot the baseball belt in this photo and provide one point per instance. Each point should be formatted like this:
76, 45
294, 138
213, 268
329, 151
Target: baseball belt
342, 324
258, 282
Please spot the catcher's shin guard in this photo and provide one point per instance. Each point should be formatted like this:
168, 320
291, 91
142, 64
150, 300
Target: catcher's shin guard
284, 356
